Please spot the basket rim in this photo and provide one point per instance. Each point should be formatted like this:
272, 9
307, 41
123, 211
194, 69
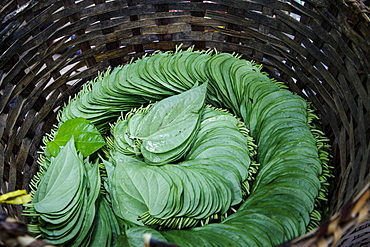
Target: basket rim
342, 226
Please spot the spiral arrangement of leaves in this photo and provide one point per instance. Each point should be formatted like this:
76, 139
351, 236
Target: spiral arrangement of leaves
194, 147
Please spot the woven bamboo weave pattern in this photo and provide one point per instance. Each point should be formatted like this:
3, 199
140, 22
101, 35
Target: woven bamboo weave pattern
319, 48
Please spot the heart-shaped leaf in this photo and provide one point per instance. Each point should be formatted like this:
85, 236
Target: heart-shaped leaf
87, 137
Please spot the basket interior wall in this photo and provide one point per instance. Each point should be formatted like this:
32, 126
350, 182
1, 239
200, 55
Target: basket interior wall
320, 49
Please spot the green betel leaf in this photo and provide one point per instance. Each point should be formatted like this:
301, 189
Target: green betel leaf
57, 190
53, 148
87, 137
137, 188
135, 235
172, 121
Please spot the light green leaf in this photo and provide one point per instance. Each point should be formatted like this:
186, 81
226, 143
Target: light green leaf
87, 137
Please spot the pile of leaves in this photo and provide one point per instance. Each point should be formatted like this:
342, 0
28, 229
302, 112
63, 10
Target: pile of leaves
197, 148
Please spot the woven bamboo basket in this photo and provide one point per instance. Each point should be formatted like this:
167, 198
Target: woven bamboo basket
319, 48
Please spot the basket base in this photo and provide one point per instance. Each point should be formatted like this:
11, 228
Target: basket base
358, 237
